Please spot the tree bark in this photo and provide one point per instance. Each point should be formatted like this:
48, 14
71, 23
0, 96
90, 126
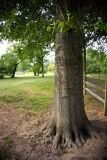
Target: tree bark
38, 72
15, 67
34, 73
84, 71
69, 124
42, 68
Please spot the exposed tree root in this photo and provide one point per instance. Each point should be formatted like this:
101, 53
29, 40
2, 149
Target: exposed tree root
68, 138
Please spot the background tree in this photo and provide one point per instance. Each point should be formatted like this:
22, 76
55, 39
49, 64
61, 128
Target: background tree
39, 60
25, 66
36, 68
51, 67
10, 62
104, 65
3, 69
12, 58
95, 61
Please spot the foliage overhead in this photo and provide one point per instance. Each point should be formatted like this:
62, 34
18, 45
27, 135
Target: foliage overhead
33, 23
29, 21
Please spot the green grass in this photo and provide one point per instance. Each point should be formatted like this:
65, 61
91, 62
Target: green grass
97, 75
28, 92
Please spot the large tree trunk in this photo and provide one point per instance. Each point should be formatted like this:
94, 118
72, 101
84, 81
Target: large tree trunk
69, 123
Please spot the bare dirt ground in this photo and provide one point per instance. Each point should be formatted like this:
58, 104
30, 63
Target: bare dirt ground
20, 137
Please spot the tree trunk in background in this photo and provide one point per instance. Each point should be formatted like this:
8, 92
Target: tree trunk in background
99, 74
38, 72
13, 75
69, 123
42, 69
34, 73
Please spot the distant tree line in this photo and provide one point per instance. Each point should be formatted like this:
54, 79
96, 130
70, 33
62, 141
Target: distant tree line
96, 62
16, 59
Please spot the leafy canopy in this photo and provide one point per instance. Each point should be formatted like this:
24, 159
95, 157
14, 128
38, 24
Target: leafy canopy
30, 21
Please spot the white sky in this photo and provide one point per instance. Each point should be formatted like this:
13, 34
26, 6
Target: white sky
51, 56
3, 46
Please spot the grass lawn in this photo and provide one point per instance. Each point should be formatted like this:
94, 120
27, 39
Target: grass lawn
27, 92
97, 75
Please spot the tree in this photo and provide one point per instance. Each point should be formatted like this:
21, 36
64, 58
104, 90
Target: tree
95, 61
12, 58
104, 65
38, 60
69, 123
36, 68
46, 65
25, 65
16, 55
51, 67
9, 63
3, 70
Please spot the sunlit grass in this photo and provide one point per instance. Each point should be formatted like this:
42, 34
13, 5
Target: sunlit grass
28, 92
97, 75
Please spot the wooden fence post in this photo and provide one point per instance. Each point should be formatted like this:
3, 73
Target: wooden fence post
105, 104
84, 71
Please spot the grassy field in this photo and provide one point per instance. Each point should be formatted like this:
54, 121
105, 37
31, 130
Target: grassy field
97, 75
27, 92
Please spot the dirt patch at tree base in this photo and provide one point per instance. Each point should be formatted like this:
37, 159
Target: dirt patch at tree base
21, 138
